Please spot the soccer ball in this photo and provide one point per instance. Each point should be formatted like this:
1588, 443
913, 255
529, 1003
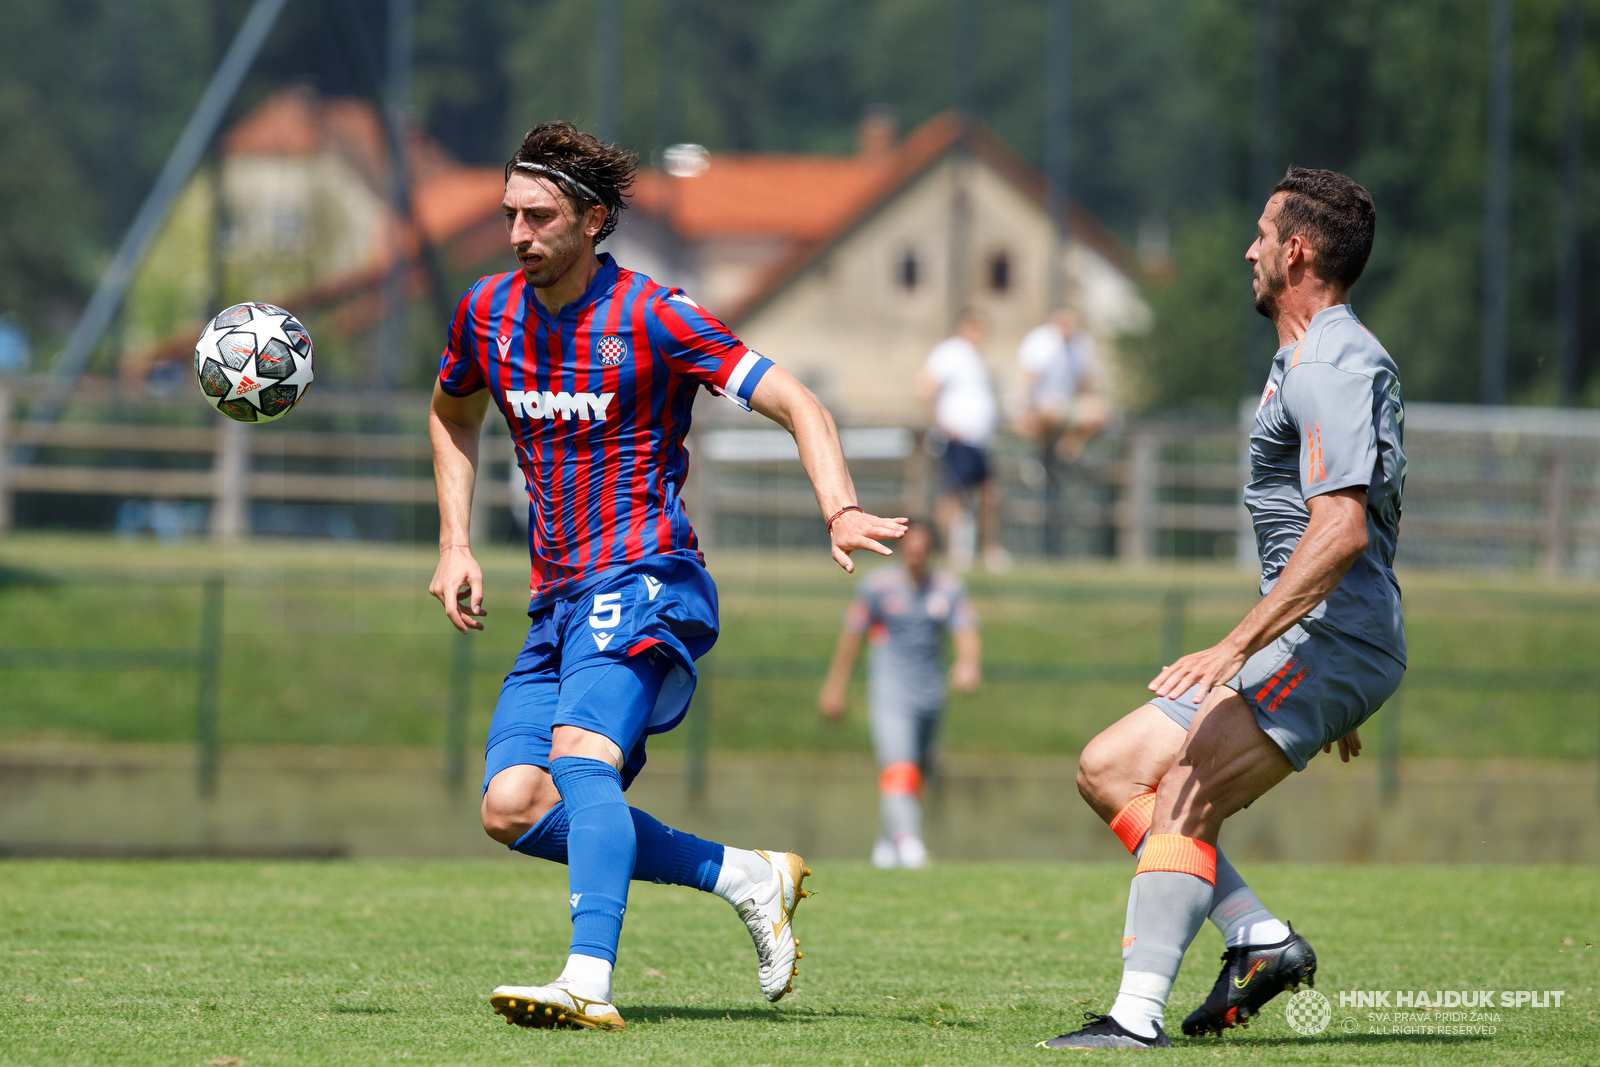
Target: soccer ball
253, 362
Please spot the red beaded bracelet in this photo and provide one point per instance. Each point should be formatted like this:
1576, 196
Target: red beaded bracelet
835, 516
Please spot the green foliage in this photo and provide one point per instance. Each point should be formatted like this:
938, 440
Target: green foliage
271, 964
1392, 94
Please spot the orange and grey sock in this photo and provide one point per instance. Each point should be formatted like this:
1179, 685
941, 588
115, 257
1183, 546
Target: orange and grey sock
1171, 895
1241, 918
1238, 915
900, 801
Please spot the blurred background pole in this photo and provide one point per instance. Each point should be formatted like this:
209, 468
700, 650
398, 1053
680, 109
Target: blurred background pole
125, 135
1497, 205
1260, 341
607, 67
1569, 293
216, 284
1058, 175
965, 51
175, 173
667, 127
455, 734
209, 679
397, 101
1058, 139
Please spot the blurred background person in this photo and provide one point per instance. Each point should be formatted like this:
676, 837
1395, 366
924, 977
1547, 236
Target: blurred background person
1060, 401
905, 611
955, 383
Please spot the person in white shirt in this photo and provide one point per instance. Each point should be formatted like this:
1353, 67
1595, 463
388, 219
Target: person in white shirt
955, 382
1059, 403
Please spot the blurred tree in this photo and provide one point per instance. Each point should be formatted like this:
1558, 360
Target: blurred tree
1392, 94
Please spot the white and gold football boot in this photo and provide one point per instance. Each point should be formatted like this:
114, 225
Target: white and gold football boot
553, 1006
767, 909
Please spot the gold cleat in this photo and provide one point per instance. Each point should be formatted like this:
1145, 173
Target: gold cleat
553, 1007
769, 916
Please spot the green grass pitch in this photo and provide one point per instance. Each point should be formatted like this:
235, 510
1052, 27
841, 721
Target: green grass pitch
354, 963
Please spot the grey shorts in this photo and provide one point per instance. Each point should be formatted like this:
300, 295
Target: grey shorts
905, 735
1308, 689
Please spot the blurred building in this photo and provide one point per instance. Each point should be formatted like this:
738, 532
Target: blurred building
847, 269
305, 221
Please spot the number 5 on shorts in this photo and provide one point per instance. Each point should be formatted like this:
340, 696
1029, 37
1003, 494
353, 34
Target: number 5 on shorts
611, 605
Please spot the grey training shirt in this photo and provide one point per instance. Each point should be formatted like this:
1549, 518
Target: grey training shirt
905, 626
1330, 418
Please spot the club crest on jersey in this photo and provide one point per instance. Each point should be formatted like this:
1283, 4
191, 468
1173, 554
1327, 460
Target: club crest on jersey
612, 349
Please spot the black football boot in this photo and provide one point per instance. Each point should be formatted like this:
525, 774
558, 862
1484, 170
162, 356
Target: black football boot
1251, 976
1105, 1032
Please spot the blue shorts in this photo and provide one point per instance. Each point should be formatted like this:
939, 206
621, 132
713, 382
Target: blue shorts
616, 657
1308, 688
964, 465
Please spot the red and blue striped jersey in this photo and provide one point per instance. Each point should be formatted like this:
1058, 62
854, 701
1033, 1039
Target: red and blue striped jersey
598, 398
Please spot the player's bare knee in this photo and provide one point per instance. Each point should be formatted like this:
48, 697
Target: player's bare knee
1103, 776
507, 822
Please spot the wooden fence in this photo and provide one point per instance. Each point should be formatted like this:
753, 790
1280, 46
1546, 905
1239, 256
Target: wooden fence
1487, 488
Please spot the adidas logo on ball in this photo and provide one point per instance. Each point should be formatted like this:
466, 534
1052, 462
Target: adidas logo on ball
254, 362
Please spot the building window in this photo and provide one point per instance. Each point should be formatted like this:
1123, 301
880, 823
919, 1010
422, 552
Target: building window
1000, 273
908, 271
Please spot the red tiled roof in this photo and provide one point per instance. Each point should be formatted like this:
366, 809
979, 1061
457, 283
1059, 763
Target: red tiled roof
803, 198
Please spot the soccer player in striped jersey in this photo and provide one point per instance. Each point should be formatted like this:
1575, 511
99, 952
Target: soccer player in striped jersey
595, 369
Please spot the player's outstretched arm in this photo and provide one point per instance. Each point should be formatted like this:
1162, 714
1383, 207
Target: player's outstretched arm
453, 427
1334, 539
966, 673
780, 397
835, 693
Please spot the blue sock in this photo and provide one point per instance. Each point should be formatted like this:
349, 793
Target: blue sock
664, 855
547, 838
601, 850
672, 857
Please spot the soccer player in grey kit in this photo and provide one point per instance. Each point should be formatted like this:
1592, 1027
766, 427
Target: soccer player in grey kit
1315, 658
905, 611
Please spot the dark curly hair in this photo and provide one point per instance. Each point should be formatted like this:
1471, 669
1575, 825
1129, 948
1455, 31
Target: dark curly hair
1335, 215
582, 166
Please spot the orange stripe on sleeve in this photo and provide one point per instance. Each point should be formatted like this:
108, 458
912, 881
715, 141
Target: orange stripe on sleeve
1174, 852
1133, 821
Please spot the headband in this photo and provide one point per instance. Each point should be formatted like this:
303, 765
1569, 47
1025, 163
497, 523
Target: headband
569, 179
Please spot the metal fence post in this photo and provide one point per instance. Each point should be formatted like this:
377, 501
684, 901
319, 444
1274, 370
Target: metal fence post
209, 662
230, 507
1389, 751
1136, 540
455, 758
1553, 549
